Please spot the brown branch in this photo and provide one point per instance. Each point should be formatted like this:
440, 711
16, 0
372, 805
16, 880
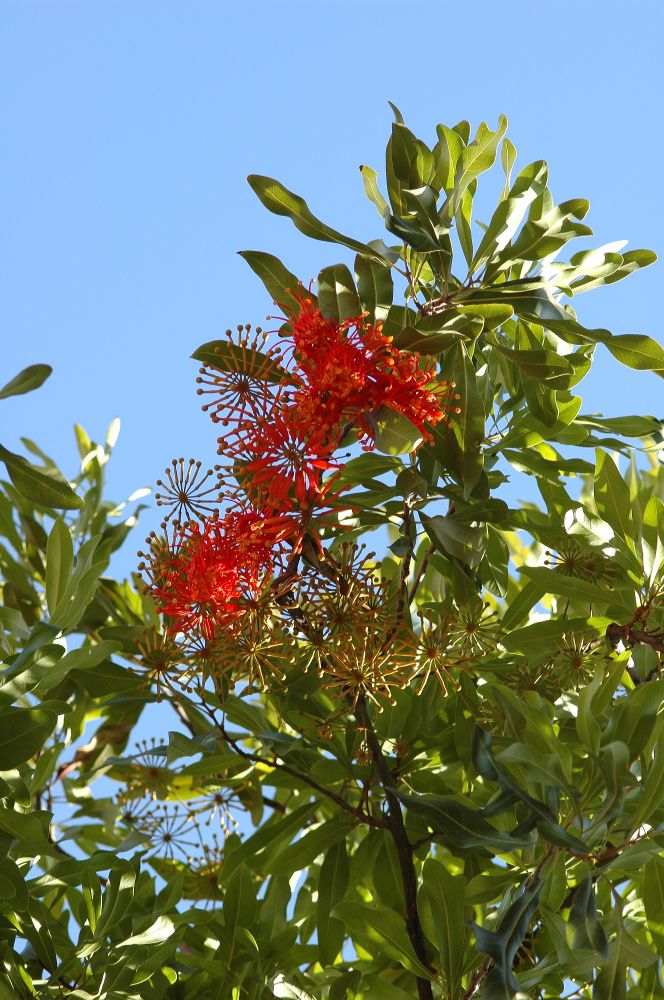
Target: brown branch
357, 812
475, 982
404, 850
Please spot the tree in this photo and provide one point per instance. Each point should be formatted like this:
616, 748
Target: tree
452, 754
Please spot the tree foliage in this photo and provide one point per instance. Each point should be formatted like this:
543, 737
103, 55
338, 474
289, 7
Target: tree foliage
447, 759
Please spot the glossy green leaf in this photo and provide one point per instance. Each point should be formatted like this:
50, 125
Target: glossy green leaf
239, 900
395, 434
511, 210
23, 731
586, 931
474, 160
304, 850
409, 164
610, 983
279, 282
337, 295
375, 287
281, 201
637, 351
372, 191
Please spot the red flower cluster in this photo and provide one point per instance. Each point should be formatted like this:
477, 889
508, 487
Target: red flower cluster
207, 576
284, 411
349, 370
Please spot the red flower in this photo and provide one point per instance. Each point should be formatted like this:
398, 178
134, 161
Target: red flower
283, 459
214, 570
350, 369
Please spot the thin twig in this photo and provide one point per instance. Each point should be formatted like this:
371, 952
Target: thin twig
255, 758
420, 572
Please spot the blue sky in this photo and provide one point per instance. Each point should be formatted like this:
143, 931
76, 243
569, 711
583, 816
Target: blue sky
129, 129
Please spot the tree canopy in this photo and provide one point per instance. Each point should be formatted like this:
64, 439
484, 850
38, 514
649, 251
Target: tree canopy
435, 769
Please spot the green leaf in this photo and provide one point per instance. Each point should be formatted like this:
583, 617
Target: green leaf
637, 351
545, 820
332, 884
409, 165
281, 201
445, 894
446, 155
380, 932
652, 788
395, 434
23, 731
240, 903
507, 159
476, 158
118, 896
653, 900
460, 827
458, 445
279, 282
545, 366
540, 637
611, 979
46, 487
30, 378
550, 581
30, 830
59, 562
612, 495
228, 357
587, 727
337, 295
158, 931
370, 181
502, 944
305, 849
586, 931
507, 218
375, 287
454, 538
634, 716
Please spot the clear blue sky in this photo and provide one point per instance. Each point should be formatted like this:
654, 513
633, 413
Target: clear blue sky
128, 129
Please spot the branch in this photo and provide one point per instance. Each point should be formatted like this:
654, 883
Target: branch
255, 758
477, 979
404, 849
420, 572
